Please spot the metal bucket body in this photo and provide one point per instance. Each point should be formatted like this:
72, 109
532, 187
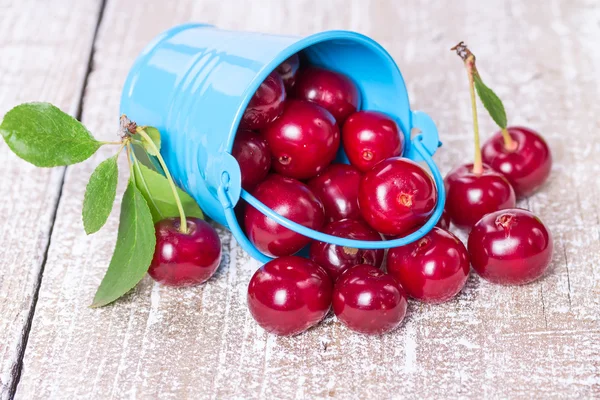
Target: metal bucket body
194, 82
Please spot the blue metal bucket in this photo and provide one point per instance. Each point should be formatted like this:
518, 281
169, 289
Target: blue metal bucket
194, 81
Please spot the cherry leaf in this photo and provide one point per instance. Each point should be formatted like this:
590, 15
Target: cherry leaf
43, 135
491, 102
156, 190
134, 249
154, 136
148, 160
100, 195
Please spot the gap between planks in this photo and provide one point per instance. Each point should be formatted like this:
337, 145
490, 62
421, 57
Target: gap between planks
77, 113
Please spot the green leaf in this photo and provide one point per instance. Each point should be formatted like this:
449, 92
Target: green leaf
156, 190
491, 102
145, 158
154, 135
43, 135
134, 250
100, 195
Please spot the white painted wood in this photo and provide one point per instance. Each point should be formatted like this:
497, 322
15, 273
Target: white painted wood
536, 341
44, 48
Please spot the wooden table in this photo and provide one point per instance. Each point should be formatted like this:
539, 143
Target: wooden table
537, 341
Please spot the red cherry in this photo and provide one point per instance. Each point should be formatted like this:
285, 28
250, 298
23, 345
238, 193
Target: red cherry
337, 187
185, 259
369, 301
266, 104
331, 90
254, 157
291, 199
303, 141
288, 295
444, 221
370, 137
288, 70
337, 259
510, 247
396, 195
470, 196
432, 269
527, 167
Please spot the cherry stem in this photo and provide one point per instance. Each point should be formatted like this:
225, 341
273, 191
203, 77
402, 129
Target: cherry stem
123, 144
183, 228
113, 143
477, 162
509, 143
129, 157
469, 59
136, 165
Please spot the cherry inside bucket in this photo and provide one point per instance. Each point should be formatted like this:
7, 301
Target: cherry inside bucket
305, 140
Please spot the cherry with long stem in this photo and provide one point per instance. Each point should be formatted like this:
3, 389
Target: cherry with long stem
474, 190
188, 250
519, 153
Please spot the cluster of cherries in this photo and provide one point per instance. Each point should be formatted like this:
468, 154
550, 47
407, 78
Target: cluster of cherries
289, 136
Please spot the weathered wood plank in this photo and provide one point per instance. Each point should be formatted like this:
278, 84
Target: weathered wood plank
44, 53
541, 340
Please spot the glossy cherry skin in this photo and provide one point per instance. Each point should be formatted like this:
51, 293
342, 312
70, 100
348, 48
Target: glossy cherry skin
432, 269
444, 221
510, 247
288, 295
337, 187
303, 141
288, 70
470, 196
331, 90
266, 104
367, 300
370, 137
291, 199
185, 259
254, 157
527, 167
396, 195
337, 259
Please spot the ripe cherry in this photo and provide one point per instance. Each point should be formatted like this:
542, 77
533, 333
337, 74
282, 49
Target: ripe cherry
291, 199
469, 196
337, 187
303, 141
367, 300
185, 259
266, 104
331, 90
288, 70
336, 259
288, 295
510, 247
254, 157
527, 166
370, 137
396, 195
432, 269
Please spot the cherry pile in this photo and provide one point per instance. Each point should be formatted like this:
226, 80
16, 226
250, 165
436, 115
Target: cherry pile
294, 128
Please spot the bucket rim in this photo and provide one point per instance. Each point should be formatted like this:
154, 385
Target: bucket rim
296, 47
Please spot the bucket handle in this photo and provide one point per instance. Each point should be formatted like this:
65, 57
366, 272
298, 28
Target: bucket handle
417, 145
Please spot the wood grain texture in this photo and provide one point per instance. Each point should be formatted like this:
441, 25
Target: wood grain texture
537, 341
44, 53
